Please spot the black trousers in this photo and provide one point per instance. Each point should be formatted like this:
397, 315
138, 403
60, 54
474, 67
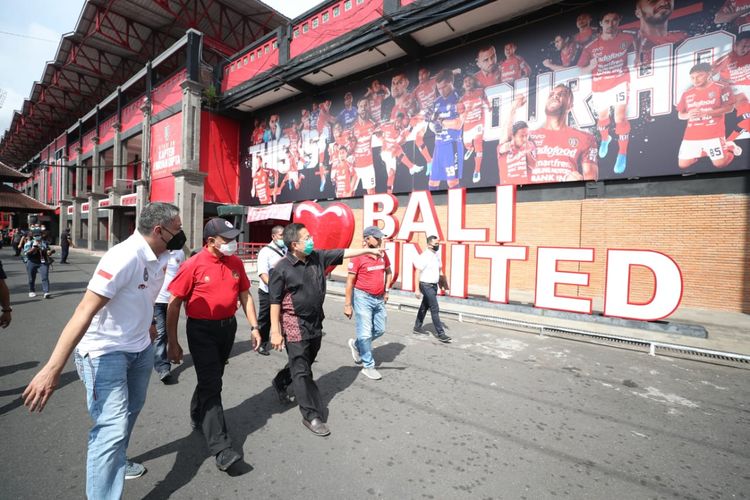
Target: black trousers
64, 249
429, 301
264, 316
298, 374
210, 343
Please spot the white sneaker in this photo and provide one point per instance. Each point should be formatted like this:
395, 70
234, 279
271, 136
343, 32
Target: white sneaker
355, 352
46, 295
416, 169
32, 294
371, 373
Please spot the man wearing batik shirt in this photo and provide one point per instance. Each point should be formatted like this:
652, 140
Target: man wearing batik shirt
425, 91
513, 67
654, 16
563, 153
607, 60
516, 153
735, 12
489, 71
348, 115
297, 290
568, 50
393, 135
473, 107
703, 106
586, 33
734, 69
342, 173
363, 131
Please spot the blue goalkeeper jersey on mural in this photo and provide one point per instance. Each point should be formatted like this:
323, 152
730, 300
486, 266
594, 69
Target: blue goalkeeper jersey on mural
446, 108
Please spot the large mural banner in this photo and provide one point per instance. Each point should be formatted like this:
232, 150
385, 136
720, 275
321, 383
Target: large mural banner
619, 90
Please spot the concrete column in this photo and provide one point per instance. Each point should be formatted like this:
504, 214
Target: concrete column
97, 192
142, 186
114, 216
189, 199
191, 125
79, 197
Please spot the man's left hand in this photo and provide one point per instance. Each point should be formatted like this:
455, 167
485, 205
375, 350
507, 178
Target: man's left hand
152, 333
255, 334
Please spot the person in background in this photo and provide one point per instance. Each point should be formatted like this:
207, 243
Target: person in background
367, 288
162, 366
65, 243
4, 299
429, 270
268, 256
210, 283
109, 331
37, 253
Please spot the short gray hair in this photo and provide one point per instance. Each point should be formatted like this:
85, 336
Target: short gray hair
277, 230
156, 214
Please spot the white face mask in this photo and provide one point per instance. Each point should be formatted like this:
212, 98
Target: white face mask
228, 248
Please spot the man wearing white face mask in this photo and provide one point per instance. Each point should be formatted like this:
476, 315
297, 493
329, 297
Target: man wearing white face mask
268, 256
210, 283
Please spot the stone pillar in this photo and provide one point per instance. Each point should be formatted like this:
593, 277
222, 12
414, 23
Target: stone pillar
191, 125
97, 187
79, 197
114, 216
142, 186
189, 199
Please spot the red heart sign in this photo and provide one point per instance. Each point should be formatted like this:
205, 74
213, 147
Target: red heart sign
330, 228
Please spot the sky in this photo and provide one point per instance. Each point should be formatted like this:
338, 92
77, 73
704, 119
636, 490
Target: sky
30, 32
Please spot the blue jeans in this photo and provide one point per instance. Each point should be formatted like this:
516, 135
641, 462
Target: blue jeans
369, 312
116, 385
161, 363
31, 269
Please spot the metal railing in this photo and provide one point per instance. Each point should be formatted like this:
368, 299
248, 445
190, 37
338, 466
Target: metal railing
249, 251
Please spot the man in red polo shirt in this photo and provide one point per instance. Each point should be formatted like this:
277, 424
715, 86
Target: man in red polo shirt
367, 288
210, 283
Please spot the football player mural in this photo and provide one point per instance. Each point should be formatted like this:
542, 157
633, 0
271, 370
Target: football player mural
629, 89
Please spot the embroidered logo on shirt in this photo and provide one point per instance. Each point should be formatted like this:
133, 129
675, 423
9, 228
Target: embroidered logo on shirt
235, 275
145, 274
104, 274
206, 279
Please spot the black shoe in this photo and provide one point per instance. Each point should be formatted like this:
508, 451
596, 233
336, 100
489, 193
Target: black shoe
281, 393
165, 376
225, 458
420, 331
317, 427
442, 337
263, 349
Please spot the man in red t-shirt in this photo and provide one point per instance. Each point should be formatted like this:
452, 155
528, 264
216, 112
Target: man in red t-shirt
586, 33
210, 283
568, 53
516, 153
734, 69
367, 288
607, 60
426, 90
363, 131
342, 173
703, 106
563, 153
261, 188
513, 67
654, 16
734, 12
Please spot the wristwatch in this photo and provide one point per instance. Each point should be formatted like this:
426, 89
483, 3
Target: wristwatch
254, 327
10, 309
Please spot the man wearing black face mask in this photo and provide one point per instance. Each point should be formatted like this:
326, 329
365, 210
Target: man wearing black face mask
210, 283
429, 267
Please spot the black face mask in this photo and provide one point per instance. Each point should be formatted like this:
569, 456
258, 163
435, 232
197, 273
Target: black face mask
177, 241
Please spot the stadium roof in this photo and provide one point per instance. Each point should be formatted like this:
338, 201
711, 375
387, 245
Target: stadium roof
113, 40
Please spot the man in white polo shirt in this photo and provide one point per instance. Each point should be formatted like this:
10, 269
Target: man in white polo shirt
109, 331
268, 256
429, 270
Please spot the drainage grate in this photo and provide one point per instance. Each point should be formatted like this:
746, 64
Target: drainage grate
652, 347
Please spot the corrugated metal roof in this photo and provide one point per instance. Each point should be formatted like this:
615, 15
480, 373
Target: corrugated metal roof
114, 39
12, 200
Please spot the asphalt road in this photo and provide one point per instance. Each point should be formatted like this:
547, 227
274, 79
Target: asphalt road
496, 414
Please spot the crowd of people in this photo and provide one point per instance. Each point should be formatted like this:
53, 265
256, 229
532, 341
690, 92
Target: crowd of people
126, 326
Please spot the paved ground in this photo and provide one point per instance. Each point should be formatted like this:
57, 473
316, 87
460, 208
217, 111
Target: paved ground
496, 414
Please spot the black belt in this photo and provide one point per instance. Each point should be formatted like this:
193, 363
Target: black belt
219, 322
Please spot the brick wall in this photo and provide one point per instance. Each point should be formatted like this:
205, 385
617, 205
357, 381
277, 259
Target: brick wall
706, 235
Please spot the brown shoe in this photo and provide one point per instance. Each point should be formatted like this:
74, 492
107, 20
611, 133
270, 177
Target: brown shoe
317, 427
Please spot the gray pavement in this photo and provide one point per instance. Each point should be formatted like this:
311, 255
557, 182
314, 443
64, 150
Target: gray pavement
496, 414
